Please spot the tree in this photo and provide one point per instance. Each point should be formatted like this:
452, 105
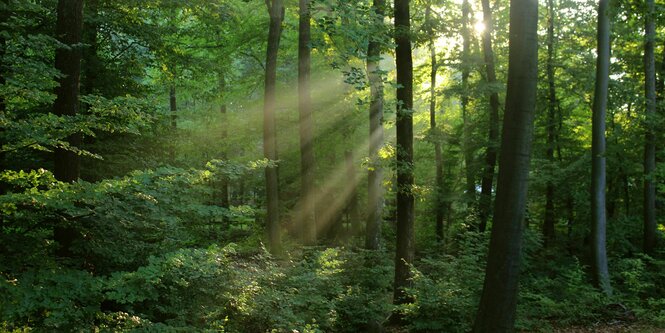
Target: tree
375, 173
405, 199
498, 302
548, 226
493, 138
69, 28
650, 137
276, 11
307, 162
598, 146
466, 136
434, 131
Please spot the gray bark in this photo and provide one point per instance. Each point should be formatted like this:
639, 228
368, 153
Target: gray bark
498, 302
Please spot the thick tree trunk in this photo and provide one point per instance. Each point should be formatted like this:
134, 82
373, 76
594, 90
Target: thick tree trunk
493, 139
275, 9
468, 154
307, 162
69, 28
650, 138
598, 171
4, 14
499, 297
548, 226
405, 199
436, 136
375, 173
91, 63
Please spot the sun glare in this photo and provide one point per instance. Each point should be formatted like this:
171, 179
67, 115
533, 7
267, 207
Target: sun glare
479, 27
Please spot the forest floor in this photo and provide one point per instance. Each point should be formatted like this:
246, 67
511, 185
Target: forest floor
612, 328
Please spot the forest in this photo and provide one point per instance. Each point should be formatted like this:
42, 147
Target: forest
332, 166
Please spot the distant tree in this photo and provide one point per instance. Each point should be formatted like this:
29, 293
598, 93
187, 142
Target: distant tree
650, 138
375, 173
276, 11
548, 226
499, 297
493, 138
434, 131
307, 162
466, 135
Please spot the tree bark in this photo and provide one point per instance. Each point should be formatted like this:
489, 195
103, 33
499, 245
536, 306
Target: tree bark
405, 199
224, 200
650, 137
69, 28
493, 139
375, 173
468, 154
276, 11
598, 171
91, 62
499, 297
307, 162
548, 226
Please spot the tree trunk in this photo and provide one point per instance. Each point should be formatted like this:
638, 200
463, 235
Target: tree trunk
468, 154
307, 163
650, 138
224, 200
499, 297
434, 132
375, 173
69, 28
276, 10
4, 15
173, 107
598, 171
352, 204
405, 199
493, 140
91, 63
548, 226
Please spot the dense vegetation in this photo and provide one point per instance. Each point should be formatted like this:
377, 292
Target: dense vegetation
331, 166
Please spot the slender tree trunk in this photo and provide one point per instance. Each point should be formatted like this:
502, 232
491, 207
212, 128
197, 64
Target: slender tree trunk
405, 200
499, 297
69, 28
173, 107
307, 162
224, 200
375, 173
493, 140
650, 138
352, 205
598, 171
436, 135
276, 11
548, 226
468, 154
